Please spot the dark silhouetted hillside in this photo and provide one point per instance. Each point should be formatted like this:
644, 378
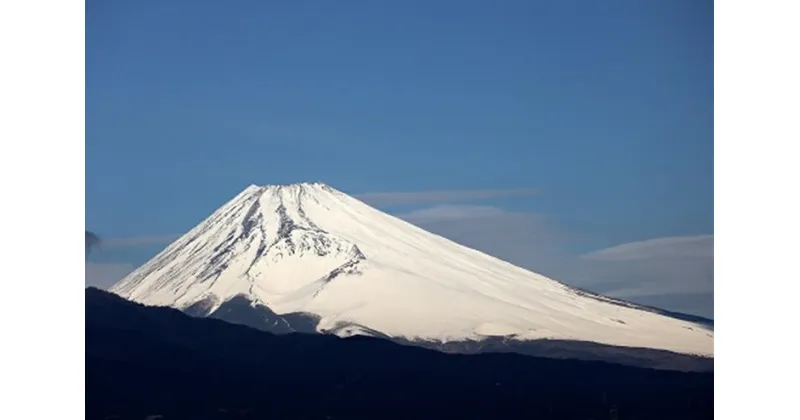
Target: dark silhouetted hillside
143, 361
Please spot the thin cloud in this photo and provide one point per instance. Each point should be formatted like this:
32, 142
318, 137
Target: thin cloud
663, 271
451, 212
676, 246
439, 197
134, 241
530, 240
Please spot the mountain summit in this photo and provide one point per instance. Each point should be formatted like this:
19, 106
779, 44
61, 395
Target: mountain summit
309, 257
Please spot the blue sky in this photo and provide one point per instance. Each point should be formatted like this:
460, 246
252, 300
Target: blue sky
605, 108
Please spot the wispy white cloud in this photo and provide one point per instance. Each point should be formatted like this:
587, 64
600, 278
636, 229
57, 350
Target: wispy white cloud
438, 197
657, 269
676, 246
652, 276
447, 212
530, 240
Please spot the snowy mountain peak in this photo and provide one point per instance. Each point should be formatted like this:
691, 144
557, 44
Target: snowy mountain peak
309, 249
298, 186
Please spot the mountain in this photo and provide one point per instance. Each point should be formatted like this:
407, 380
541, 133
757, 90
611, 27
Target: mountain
309, 258
145, 362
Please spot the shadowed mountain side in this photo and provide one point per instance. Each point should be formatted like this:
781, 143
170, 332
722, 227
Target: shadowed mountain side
240, 310
144, 361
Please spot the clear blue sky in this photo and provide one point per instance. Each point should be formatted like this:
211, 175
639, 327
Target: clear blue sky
605, 106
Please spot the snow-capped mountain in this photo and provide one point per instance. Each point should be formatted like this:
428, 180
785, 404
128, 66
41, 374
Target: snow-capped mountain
307, 254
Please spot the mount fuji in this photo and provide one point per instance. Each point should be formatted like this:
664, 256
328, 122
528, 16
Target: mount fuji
309, 258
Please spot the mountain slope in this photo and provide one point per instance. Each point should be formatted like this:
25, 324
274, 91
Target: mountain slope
147, 361
313, 254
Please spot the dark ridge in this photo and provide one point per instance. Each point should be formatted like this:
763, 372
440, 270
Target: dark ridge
146, 361
262, 250
201, 308
302, 212
241, 310
285, 228
350, 267
357, 254
344, 325
251, 219
301, 322
217, 263
287, 225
